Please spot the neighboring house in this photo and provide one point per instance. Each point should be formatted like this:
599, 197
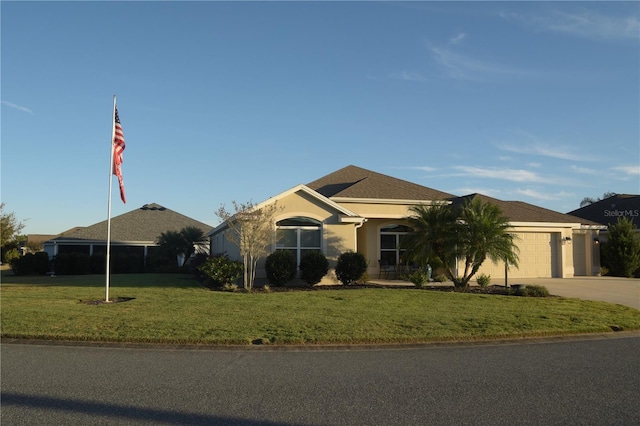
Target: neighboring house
133, 233
364, 211
609, 210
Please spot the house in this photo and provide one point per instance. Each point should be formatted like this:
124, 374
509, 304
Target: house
133, 233
608, 211
365, 211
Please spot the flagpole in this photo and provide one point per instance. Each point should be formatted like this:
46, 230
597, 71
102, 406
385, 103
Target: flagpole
113, 134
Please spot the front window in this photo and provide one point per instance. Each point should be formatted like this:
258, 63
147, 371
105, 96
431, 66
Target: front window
391, 238
299, 235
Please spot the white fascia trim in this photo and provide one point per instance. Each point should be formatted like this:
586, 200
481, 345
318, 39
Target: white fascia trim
351, 219
217, 229
544, 225
385, 216
388, 201
89, 242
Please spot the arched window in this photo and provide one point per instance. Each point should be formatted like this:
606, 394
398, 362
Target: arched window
391, 238
299, 235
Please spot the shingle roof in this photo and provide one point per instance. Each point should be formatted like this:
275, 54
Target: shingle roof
608, 211
518, 211
143, 224
356, 182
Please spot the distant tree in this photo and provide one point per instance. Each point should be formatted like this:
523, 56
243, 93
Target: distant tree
184, 242
621, 252
195, 240
34, 247
472, 233
252, 229
10, 228
589, 200
171, 244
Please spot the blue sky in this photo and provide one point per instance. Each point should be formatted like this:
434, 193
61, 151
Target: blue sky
529, 101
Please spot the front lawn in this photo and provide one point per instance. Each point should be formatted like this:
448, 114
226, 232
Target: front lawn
177, 309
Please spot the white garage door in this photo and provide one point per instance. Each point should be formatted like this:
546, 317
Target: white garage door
537, 258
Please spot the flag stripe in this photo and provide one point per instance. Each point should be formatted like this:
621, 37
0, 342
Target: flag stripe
118, 149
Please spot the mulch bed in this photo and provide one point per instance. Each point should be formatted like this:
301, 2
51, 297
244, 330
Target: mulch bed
492, 289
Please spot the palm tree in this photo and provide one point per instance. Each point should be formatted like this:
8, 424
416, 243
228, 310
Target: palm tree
473, 233
171, 244
194, 239
432, 236
483, 232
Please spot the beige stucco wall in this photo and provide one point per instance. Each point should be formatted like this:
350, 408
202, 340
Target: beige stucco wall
369, 242
378, 210
337, 237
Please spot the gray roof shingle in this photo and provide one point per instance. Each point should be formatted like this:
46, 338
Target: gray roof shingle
356, 182
143, 224
518, 211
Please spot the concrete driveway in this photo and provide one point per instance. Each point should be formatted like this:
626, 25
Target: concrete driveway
622, 291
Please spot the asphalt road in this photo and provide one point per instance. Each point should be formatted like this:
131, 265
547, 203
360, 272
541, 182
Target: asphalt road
585, 381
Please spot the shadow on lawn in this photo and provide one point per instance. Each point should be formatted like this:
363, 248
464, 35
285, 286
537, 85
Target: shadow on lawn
116, 280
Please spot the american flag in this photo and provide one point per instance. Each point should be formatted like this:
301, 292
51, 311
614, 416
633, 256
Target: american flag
118, 149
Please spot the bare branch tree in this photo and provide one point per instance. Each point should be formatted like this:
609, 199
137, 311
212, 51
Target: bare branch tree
252, 229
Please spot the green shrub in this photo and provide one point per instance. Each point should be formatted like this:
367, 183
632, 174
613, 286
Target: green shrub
222, 270
418, 278
483, 280
280, 267
31, 264
11, 254
195, 262
98, 263
126, 263
440, 278
536, 291
313, 266
230, 287
350, 267
72, 264
621, 253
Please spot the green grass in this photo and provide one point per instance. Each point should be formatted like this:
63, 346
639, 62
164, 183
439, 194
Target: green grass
176, 309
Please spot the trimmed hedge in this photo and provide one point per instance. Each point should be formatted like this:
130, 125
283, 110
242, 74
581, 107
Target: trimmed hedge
313, 266
350, 267
280, 267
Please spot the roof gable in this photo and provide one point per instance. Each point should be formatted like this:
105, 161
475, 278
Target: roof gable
143, 224
358, 183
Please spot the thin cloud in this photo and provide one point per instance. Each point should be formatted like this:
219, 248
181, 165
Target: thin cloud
407, 76
532, 145
542, 195
495, 193
585, 24
513, 175
584, 170
461, 67
16, 106
421, 168
628, 170
457, 39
